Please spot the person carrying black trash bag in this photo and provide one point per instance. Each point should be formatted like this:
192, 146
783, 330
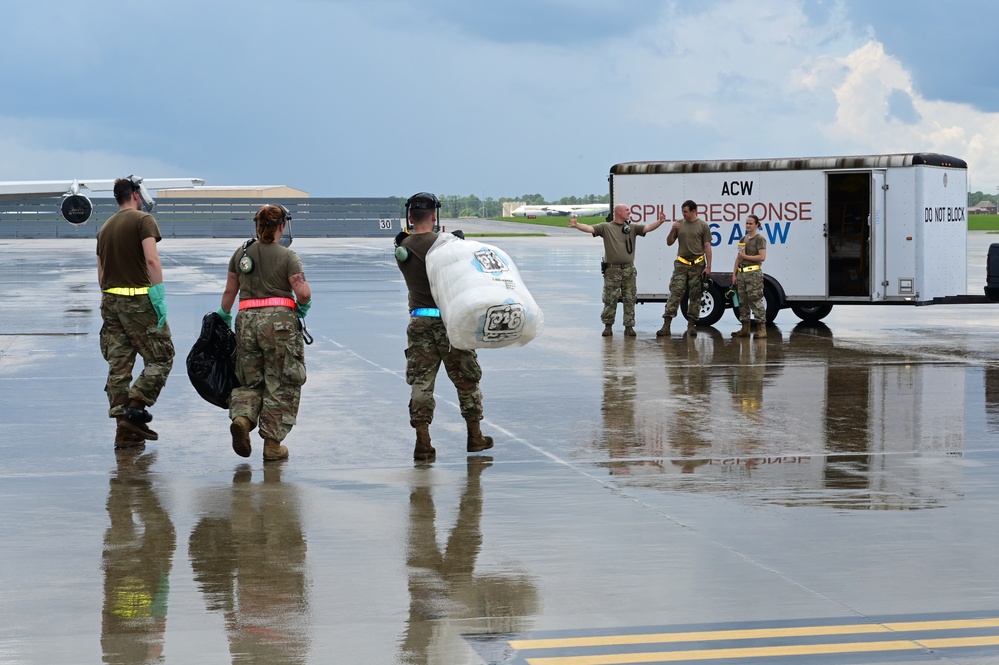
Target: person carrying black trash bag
134, 313
270, 349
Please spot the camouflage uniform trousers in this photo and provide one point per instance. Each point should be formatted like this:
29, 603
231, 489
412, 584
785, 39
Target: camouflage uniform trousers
750, 288
270, 366
685, 278
619, 284
429, 346
129, 329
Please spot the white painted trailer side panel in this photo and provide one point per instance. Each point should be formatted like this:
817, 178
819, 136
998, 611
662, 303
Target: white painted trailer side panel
790, 205
942, 235
918, 226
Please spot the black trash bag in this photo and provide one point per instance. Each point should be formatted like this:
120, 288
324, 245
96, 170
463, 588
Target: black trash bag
211, 364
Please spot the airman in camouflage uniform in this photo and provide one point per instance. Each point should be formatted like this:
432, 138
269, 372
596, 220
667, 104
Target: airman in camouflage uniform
748, 278
270, 351
692, 265
428, 343
133, 311
270, 366
620, 274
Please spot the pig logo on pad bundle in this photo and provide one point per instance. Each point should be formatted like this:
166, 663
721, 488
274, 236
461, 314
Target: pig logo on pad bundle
483, 301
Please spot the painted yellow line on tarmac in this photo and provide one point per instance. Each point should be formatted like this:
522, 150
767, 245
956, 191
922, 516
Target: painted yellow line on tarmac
765, 652
915, 636
753, 633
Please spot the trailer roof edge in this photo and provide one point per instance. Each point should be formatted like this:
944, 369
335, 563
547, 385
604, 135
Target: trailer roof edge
790, 164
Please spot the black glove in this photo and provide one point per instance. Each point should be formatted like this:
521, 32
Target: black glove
458, 234
400, 237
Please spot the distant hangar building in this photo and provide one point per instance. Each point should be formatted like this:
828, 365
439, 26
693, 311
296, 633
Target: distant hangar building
217, 212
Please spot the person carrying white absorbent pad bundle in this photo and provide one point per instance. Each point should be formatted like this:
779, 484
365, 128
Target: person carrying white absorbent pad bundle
483, 300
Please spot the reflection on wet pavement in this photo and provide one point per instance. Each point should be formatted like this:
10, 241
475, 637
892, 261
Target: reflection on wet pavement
248, 553
793, 422
138, 553
445, 591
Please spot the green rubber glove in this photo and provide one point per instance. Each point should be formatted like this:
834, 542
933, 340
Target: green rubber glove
302, 310
158, 298
226, 316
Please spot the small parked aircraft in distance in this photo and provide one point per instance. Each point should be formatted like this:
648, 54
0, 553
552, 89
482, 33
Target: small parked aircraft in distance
579, 210
77, 208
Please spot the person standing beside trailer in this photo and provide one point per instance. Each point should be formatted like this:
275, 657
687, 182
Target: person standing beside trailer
619, 256
692, 264
747, 276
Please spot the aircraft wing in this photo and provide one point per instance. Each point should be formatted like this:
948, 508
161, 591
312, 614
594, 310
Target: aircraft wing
30, 189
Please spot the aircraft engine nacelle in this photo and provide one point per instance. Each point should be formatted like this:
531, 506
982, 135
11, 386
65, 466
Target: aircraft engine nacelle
77, 208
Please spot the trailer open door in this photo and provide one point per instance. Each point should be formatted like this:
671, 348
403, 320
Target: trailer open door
848, 234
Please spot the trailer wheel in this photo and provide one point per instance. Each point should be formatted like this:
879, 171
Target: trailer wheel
811, 313
712, 305
771, 302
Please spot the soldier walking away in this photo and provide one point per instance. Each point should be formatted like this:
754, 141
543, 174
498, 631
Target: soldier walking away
134, 313
426, 335
270, 348
748, 279
692, 264
618, 266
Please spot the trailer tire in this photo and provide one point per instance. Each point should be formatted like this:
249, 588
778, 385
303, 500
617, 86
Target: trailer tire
712, 305
771, 301
811, 313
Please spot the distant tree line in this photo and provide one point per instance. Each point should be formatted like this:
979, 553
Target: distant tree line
977, 197
454, 206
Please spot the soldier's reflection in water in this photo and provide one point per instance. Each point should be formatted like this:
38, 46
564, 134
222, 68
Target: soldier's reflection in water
620, 434
445, 592
747, 395
690, 403
248, 555
138, 553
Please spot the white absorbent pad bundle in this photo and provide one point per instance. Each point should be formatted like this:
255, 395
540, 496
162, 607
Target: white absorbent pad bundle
483, 301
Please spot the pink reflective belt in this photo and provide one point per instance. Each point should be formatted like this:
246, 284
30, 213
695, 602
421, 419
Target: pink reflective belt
250, 303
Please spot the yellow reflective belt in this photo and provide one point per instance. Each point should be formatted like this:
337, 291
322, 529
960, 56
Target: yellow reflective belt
750, 268
128, 290
684, 261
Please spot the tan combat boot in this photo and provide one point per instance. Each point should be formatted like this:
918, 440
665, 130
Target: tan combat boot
423, 452
608, 331
273, 450
664, 331
476, 441
691, 328
240, 430
761, 330
629, 331
743, 331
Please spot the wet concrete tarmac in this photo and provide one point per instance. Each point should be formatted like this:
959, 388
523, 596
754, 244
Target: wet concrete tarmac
826, 496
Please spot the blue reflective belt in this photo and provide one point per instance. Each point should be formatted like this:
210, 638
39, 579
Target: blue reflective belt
426, 311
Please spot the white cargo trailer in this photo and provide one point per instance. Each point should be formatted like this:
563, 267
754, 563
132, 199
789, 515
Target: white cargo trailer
872, 229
